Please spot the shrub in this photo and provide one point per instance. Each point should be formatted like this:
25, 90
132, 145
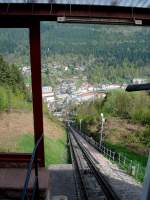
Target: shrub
146, 136
3, 98
118, 103
10, 100
134, 106
140, 111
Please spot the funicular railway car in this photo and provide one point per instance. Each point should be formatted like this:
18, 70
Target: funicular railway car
29, 14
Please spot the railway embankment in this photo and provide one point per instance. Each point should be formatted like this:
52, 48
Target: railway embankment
124, 185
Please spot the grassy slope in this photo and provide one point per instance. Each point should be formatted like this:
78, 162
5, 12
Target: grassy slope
16, 135
55, 149
117, 137
142, 159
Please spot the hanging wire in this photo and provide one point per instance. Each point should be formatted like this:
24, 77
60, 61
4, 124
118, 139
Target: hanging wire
70, 7
51, 7
65, 8
132, 16
91, 28
8, 5
32, 8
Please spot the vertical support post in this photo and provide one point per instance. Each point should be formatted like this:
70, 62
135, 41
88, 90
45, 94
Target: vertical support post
113, 156
35, 57
137, 169
110, 154
119, 157
124, 161
146, 186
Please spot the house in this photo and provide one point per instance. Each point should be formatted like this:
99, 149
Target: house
138, 81
48, 94
46, 89
87, 96
110, 86
26, 70
85, 87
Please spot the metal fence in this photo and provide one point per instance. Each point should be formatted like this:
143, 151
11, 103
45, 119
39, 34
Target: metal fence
132, 167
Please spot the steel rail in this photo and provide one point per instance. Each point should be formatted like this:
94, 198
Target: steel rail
106, 187
78, 195
83, 193
85, 190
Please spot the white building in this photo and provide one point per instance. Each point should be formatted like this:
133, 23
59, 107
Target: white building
62, 96
26, 70
85, 88
48, 94
110, 86
138, 81
50, 99
87, 96
46, 89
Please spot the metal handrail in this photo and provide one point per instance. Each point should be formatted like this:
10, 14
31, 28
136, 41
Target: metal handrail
35, 194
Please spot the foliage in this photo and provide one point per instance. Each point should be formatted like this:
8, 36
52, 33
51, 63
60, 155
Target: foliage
3, 98
112, 54
89, 113
115, 73
10, 100
140, 137
110, 44
118, 103
13, 94
134, 106
146, 136
11, 76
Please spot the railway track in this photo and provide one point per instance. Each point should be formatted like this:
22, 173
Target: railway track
91, 184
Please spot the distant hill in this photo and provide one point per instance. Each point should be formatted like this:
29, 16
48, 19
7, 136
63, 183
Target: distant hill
106, 45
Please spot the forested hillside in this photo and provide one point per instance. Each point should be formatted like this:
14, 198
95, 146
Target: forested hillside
13, 93
112, 51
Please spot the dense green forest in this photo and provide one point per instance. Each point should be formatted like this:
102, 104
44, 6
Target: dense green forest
11, 76
109, 44
117, 53
13, 93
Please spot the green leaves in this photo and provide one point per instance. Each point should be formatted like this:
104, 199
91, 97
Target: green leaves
10, 76
12, 87
133, 106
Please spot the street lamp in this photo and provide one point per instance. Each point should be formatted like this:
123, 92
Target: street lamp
102, 121
80, 124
